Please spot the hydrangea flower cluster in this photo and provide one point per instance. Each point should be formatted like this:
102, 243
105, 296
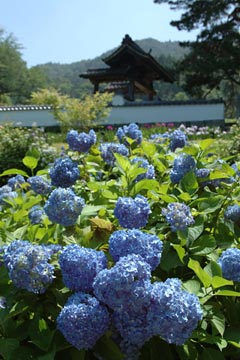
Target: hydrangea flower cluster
124, 283
6, 193
108, 149
160, 138
83, 320
64, 172
229, 262
143, 163
173, 313
233, 213
142, 309
63, 206
177, 140
35, 214
81, 142
39, 185
181, 166
132, 213
28, 266
178, 215
80, 265
125, 242
132, 131
15, 182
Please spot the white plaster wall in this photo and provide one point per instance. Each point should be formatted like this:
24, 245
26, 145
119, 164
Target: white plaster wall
28, 117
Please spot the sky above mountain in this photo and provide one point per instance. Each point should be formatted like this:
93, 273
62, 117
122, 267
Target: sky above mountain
65, 31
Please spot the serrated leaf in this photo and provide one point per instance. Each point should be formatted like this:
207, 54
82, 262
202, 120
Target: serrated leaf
7, 346
146, 184
148, 148
122, 163
227, 293
204, 144
218, 321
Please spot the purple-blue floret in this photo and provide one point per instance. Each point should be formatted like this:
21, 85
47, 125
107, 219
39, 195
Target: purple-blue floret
39, 185
181, 166
108, 149
125, 242
83, 320
132, 213
81, 142
80, 266
229, 262
64, 206
178, 215
64, 172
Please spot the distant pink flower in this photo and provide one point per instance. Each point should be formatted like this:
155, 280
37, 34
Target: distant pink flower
109, 127
170, 124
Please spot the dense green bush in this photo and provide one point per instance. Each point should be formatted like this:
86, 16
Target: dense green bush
194, 241
16, 141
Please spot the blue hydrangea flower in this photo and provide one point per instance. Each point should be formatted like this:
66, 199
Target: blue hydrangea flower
236, 169
160, 138
80, 266
28, 266
39, 185
233, 213
132, 213
125, 242
132, 131
64, 172
15, 182
177, 140
108, 149
63, 206
202, 173
143, 163
81, 142
2, 302
181, 166
83, 320
133, 327
124, 284
178, 215
35, 214
173, 313
6, 193
229, 261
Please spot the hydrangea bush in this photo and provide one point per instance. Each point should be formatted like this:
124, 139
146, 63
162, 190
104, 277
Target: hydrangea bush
122, 250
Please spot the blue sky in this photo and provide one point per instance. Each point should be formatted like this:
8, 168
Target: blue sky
65, 31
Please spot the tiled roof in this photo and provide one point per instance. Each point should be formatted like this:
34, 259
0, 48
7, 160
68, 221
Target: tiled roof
25, 107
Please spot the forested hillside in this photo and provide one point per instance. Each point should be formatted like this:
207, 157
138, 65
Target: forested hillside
65, 77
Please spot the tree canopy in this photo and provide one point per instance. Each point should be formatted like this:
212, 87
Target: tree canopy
214, 55
16, 80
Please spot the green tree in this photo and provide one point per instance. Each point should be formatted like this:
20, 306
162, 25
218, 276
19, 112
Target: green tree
13, 70
74, 113
214, 56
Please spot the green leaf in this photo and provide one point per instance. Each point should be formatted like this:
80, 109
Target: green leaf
218, 321
195, 230
193, 286
30, 162
189, 183
40, 334
211, 354
106, 348
203, 245
180, 251
122, 163
14, 172
227, 293
148, 148
204, 144
7, 346
201, 274
146, 184
90, 210
232, 335
20, 232
218, 281
213, 269
211, 204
